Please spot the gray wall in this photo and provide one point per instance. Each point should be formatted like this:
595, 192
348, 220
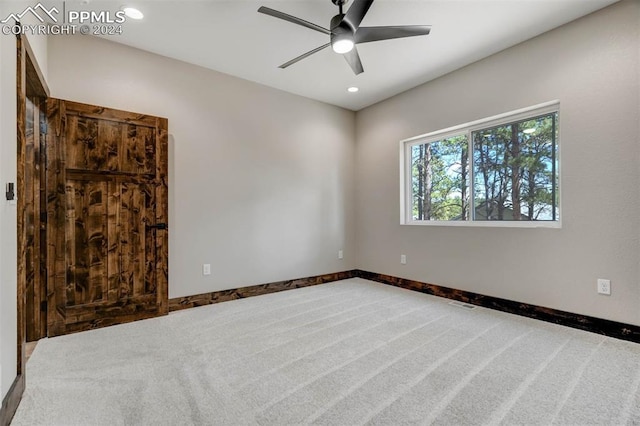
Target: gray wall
8, 282
591, 66
261, 181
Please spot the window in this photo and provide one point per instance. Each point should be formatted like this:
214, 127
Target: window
439, 179
500, 171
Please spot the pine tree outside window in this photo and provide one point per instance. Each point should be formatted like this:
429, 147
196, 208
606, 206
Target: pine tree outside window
499, 171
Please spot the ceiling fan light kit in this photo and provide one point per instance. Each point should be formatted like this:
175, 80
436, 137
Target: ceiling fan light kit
345, 31
342, 44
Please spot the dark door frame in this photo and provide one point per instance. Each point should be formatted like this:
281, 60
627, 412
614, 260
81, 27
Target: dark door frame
34, 197
30, 166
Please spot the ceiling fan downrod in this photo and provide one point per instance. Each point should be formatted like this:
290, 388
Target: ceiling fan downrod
340, 3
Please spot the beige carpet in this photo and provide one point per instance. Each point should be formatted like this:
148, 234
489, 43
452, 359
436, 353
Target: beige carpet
347, 353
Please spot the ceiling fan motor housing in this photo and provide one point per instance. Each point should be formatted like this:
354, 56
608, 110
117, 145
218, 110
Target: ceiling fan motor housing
341, 34
338, 25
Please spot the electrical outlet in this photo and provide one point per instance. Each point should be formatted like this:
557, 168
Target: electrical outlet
206, 269
604, 286
403, 259
340, 254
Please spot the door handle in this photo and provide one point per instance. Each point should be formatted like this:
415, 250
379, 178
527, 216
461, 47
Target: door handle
161, 226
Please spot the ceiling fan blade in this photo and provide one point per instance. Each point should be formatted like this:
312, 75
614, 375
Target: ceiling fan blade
367, 34
353, 59
293, 19
356, 12
301, 57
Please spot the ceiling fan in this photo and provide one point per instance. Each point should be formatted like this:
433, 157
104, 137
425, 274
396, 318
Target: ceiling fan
345, 31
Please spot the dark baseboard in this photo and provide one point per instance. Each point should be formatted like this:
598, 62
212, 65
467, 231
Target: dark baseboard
179, 303
605, 327
11, 401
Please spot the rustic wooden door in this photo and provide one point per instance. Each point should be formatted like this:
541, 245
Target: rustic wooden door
106, 217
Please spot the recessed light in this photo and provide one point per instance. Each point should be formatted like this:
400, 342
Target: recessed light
352, 89
133, 13
529, 131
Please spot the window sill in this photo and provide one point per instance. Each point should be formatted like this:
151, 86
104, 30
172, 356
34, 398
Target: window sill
485, 224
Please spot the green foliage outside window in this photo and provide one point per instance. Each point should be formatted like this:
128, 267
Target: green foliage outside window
512, 174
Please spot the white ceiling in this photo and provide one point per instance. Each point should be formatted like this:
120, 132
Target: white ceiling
231, 37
